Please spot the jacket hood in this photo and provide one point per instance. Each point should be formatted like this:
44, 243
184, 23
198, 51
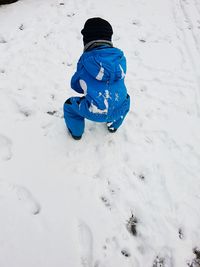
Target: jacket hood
105, 64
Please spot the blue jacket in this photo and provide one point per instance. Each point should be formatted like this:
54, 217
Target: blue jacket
100, 77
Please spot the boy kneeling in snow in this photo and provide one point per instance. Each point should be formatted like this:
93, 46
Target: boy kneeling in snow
100, 77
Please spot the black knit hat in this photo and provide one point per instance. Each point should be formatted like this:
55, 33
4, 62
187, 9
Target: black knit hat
96, 29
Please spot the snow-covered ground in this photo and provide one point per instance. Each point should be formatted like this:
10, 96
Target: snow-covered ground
129, 199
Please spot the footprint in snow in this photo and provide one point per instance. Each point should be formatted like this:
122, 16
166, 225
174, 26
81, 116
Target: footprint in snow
106, 202
125, 253
196, 261
22, 194
86, 245
132, 225
164, 259
141, 177
159, 262
25, 110
2, 71
2, 40
136, 22
180, 233
5, 148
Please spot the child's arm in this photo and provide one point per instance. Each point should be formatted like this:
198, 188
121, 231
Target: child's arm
75, 84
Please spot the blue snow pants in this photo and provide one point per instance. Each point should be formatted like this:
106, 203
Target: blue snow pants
76, 109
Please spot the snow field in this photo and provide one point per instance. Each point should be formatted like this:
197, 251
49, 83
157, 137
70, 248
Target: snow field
67, 203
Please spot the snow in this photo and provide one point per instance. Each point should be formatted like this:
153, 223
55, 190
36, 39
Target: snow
100, 74
94, 109
83, 85
70, 203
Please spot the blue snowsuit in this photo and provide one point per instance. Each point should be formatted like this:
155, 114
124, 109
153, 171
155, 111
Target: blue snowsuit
100, 77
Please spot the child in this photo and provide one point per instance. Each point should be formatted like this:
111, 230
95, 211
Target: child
100, 77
